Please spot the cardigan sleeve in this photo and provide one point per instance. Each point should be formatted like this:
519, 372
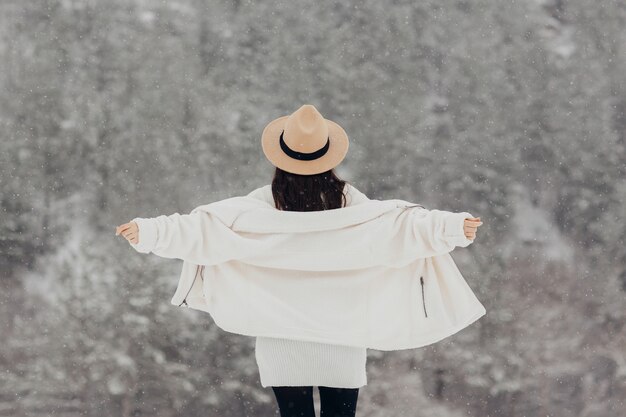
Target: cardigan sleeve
454, 232
147, 235
181, 236
436, 232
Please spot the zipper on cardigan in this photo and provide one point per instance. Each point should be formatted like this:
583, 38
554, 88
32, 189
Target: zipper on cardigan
423, 299
191, 286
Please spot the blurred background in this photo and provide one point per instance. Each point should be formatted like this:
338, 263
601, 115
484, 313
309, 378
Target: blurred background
512, 110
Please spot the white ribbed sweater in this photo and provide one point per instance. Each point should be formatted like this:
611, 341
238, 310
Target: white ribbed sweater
285, 362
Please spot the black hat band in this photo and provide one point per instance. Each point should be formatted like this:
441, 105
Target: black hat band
301, 155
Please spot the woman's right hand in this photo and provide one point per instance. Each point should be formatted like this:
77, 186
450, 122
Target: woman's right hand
470, 226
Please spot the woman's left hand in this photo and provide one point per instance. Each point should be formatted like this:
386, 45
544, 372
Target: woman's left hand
130, 231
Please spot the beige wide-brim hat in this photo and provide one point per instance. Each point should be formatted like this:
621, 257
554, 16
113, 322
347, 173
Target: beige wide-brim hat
304, 142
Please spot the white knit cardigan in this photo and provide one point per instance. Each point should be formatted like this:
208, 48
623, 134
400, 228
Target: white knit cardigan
377, 274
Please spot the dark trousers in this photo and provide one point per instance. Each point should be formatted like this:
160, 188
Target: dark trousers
334, 402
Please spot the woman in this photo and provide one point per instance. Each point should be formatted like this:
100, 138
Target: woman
293, 367
304, 147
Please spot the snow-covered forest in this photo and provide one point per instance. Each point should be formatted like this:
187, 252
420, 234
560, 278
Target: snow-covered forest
512, 110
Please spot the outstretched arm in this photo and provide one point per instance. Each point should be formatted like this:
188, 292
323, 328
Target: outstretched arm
176, 236
434, 231
438, 231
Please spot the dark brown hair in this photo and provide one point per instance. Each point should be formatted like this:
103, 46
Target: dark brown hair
295, 192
